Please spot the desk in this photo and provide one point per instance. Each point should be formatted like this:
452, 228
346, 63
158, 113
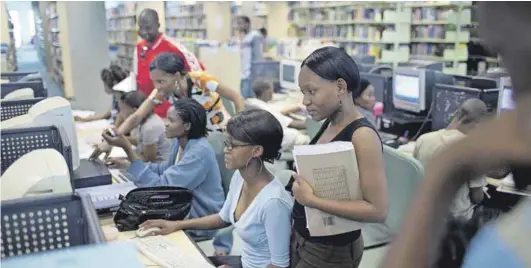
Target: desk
180, 238
86, 131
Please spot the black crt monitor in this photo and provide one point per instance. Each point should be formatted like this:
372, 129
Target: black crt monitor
381, 84
266, 69
364, 59
482, 83
490, 98
17, 76
447, 99
39, 90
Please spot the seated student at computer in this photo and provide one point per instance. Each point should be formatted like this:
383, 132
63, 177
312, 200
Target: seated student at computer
328, 79
150, 137
366, 100
110, 77
257, 205
192, 163
263, 90
470, 113
173, 82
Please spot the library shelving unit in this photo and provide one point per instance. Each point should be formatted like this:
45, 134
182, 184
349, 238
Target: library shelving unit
8, 47
187, 21
56, 50
381, 29
40, 41
440, 31
256, 11
79, 50
122, 32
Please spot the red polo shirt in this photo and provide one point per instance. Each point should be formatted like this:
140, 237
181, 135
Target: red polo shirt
145, 56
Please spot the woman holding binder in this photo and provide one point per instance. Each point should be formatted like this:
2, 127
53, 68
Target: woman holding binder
329, 80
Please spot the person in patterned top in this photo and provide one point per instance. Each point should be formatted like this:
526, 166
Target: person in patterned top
172, 81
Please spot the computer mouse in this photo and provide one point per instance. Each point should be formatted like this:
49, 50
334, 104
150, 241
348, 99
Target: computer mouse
141, 232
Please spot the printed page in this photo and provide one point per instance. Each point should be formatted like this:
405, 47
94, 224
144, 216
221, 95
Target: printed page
332, 171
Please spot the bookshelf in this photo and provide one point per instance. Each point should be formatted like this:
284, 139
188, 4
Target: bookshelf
381, 29
440, 31
40, 41
78, 48
8, 47
256, 11
122, 32
394, 32
187, 21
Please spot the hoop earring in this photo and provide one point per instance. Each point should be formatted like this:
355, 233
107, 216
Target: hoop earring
259, 160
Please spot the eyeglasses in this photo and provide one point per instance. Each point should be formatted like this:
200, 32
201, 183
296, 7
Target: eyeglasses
230, 146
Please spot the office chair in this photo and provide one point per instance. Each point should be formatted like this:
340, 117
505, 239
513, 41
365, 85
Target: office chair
403, 175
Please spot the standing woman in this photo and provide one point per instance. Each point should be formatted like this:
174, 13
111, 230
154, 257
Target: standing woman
329, 79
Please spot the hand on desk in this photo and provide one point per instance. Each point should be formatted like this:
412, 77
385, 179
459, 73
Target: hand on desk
117, 163
81, 119
101, 148
119, 141
166, 227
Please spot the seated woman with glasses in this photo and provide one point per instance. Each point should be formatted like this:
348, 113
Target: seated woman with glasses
257, 205
192, 163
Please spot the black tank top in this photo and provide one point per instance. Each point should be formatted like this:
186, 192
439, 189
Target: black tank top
299, 216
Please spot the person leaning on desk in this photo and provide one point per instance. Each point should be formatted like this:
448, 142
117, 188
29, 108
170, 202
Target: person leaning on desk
192, 163
173, 82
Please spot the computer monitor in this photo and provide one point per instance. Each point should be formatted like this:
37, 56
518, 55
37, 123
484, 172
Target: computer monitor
422, 64
38, 172
54, 111
380, 83
447, 99
20, 94
38, 88
289, 74
409, 89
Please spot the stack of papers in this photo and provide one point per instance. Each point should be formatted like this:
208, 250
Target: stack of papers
507, 186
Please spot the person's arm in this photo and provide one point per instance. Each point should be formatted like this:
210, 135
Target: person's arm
136, 118
297, 124
232, 95
373, 207
105, 115
119, 120
150, 153
133, 140
290, 110
476, 190
277, 222
189, 172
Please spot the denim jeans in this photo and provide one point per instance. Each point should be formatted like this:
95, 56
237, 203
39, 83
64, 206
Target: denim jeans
223, 240
246, 89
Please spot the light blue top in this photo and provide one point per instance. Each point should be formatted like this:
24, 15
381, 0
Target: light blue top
197, 170
265, 227
504, 243
251, 50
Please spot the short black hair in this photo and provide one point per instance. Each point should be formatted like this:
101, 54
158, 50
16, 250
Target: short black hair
263, 31
113, 75
133, 99
192, 112
245, 19
168, 62
333, 63
260, 85
150, 14
258, 127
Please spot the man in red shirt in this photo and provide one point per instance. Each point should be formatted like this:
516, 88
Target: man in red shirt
153, 43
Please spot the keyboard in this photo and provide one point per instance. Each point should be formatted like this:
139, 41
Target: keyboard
118, 176
107, 196
167, 254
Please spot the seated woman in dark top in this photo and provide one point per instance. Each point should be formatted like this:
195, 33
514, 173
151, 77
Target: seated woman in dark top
329, 80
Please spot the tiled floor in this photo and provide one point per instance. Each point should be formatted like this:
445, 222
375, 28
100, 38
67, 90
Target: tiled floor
28, 61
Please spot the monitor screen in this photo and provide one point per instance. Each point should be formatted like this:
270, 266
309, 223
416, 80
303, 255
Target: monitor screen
407, 88
507, 102
447, 101
288, 73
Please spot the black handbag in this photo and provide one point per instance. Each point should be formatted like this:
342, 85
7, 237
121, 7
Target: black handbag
150, 203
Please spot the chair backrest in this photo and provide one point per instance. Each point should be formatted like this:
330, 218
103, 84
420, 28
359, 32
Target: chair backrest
403, 174
312, 127
282, 174
216, 140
